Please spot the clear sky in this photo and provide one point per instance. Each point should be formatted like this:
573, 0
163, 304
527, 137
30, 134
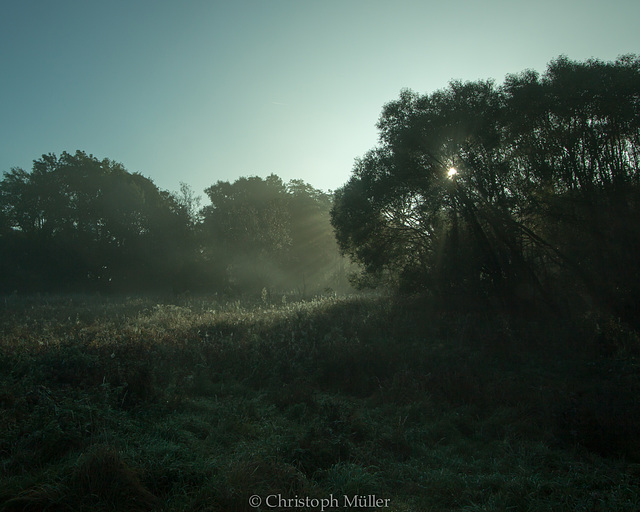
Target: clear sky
200, 91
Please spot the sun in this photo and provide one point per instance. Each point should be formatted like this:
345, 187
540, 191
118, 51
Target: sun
452, 172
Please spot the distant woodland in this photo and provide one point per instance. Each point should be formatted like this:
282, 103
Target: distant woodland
519, 196
79, 224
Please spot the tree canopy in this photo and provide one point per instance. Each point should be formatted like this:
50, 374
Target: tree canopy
514, 195
507, 194
265, 233
76, 223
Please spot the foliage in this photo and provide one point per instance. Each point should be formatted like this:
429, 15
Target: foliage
78, 223
505, 195
75, 223
264, 234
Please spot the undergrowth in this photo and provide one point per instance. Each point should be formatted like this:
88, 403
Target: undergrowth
197, 404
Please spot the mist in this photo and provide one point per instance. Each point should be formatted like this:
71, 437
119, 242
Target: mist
78, 224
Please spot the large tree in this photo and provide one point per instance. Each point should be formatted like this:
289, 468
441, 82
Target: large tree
475, 190
262, 233
574, 135
76, 222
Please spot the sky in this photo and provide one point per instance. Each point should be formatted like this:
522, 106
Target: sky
200, 91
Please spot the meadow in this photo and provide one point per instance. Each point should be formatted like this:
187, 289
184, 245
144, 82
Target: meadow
198, 403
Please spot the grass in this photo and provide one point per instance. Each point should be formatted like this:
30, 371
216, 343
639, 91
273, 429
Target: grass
196, 405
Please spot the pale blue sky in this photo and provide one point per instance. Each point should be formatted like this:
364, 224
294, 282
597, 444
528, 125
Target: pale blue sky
198, 91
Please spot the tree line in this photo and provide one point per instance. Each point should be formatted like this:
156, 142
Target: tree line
76, 223
517, 196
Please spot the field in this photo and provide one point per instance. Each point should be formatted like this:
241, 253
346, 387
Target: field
199, 403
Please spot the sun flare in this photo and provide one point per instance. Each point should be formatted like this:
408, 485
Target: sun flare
452, 172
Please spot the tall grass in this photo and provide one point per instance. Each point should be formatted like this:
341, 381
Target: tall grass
142, 403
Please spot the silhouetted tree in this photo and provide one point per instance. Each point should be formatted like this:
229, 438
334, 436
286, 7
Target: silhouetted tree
498, 194
574, 138
436, 189
76, 222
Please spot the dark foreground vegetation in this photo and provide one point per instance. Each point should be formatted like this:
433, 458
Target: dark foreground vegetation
142, 404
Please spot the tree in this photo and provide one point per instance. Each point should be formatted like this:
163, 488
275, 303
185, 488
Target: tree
574, 137
246, 228
437, 187
473, 189
262, 233
76, 222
